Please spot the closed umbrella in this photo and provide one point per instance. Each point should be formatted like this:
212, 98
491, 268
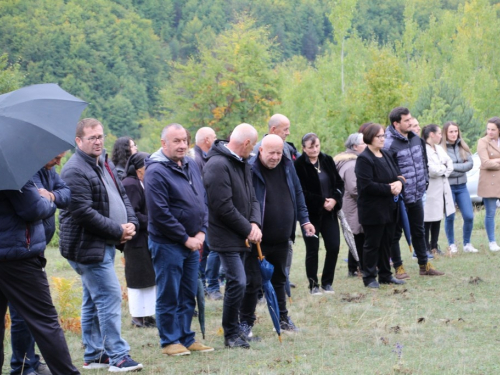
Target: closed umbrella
266, 271
36, 123
403, 218
348, 235
200, 301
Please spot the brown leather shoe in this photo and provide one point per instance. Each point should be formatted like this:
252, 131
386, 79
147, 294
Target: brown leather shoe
199, 347
429, 270
175, 350
401, 273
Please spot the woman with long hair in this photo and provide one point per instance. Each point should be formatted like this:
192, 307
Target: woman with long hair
488, 149
123, 148
323, 190
439, 199
379, 183
459, 152
139, 271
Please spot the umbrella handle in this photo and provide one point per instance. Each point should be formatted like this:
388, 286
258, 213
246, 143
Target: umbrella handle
259, 251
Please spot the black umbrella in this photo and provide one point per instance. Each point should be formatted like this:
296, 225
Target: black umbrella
36, 123
403, 217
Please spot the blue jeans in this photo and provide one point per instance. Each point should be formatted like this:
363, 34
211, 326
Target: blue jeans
101, 309
24, 360
490, 205
212, 272
461, 198
176, 269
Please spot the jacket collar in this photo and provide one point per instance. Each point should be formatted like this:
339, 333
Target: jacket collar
90, 159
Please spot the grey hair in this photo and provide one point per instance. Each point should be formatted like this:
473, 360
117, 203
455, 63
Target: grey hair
173, 125
353, 140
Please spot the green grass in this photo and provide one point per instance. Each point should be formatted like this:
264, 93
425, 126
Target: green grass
442, 325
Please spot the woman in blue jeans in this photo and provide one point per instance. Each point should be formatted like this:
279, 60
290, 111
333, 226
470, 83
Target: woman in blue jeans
461, 156
488, 149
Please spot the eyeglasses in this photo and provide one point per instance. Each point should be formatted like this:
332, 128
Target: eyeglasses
381, 136
94, 139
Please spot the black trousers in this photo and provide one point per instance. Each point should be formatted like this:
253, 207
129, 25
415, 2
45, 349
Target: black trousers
236, 281
376, 252
416, 218
352, 265
23, 283
328, 226
276, 255
433, 227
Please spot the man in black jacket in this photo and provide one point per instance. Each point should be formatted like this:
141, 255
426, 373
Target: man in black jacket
234, 217
282, 204
409, 154
98, 218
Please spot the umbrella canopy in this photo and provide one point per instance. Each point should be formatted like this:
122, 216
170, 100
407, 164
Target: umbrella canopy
348, 235
200, 300
266, 271
403, 218
36, 124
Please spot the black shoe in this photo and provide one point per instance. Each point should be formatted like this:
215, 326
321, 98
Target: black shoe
392, 280
287, 325
150, 322
138, 322
236, 342
247, 334
374, 285
292, 285
328, 289
352, 274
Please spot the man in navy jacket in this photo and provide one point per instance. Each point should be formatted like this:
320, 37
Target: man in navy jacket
52, 187
23, 282
177, 223
278, 190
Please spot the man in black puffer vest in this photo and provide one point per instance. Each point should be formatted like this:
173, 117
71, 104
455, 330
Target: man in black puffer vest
98, 218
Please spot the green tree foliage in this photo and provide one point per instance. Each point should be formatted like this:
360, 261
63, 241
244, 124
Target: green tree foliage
229, 83
10, 76
96, 49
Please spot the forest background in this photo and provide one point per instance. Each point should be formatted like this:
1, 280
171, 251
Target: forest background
328, 65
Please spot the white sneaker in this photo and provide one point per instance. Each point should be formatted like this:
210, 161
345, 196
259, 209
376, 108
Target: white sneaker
453, 248
494, 246
468, 248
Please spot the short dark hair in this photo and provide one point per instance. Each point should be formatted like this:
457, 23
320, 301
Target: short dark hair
309, 137
370, 131
397, 113
364, 126
495, 120
86, 123
428, 129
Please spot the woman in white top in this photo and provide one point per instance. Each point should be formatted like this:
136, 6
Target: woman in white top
439, 198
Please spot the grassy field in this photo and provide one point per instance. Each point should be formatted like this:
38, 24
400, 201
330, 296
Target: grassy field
443, 325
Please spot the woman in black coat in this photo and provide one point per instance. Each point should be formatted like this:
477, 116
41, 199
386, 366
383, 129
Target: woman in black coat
139, 272
323, 190
379, 183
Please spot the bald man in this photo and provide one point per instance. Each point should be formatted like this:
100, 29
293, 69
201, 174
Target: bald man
234, 217
282, 204
280, 125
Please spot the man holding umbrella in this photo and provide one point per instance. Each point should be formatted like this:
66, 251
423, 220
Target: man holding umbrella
282, 204
177, 222
234, 217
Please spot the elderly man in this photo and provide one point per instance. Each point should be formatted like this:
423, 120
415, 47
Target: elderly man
282, 204
177, 223
345, 163
99, 217
409, 154
280, 125
54, 189
210, 262
234, 217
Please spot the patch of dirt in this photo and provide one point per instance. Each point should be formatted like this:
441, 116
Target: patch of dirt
352, 297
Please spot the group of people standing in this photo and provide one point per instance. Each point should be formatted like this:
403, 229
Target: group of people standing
164, 209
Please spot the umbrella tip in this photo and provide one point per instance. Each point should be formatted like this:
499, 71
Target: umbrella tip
279, 338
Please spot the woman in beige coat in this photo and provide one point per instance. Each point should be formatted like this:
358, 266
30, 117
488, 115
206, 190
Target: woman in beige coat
488, 149
439, 199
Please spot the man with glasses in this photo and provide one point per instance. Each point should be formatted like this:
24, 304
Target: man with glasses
98, 218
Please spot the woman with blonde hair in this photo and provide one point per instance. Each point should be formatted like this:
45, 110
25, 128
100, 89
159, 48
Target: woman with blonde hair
453, 143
